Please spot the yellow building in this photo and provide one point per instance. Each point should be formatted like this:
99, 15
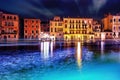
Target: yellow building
56, 28
78, 29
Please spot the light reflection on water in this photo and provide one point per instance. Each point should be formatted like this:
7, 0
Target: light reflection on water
79, 54
61, 61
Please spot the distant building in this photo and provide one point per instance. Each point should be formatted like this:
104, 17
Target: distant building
116, 26
9, 26
78, 29
107, 22
56, 28
106, 35
45, 27
112, 24
97, 28
32, 28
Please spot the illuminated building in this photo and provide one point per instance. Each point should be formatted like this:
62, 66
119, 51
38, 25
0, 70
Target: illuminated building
97, 30
9, 26
112, 24
56, 28
107, 22
106, 35
32, 28
78, 29
116, 26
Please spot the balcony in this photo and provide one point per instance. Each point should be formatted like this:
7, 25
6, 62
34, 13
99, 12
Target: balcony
3, 32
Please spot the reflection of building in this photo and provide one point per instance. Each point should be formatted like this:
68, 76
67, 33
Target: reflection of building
56, 28
9, 26
32, 28
78, 29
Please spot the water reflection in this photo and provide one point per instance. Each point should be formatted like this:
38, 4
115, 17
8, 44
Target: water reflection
79, 54
46, 50
102, 49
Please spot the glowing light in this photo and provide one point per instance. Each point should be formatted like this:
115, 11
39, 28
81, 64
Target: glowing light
102, 36
79, 54
102, 50
51, 49
45, 50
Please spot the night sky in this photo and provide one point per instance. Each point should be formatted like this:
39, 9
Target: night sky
46, 9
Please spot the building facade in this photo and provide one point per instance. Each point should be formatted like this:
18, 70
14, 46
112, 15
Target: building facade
116, 26
112, 24
78, 29
56, 28
9, 26
97, 28
32, 28
45, 27
107, 23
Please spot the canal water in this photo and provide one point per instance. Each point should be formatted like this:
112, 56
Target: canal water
60, 61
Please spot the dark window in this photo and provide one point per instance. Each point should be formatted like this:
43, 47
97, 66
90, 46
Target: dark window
25, 36
65, 21
106, 33
32, 31
37, 21
55, 24
14, 36
8, 36
114, 20
25, 31
36, 31
14, 17
51, 29
111, 20
7, 17
25, 21
119, 20
65, 25
10, 17
3, 17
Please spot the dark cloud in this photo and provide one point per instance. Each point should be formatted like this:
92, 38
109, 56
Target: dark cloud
46, 9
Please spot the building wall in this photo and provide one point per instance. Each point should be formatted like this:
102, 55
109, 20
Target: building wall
9, 26
32, 28
107, 22
116, 26
45, 27
56, 28
78, 29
